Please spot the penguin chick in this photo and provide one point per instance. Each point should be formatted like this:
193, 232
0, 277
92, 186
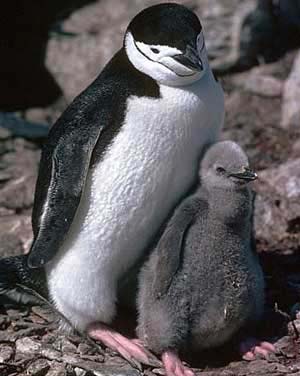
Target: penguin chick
203, 281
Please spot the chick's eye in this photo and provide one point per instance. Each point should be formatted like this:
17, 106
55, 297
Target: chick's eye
220, 170
155, 50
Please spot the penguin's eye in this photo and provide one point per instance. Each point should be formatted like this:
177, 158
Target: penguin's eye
220, 170
154, 50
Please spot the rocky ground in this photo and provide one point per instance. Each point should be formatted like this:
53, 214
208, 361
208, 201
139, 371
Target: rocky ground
262, 114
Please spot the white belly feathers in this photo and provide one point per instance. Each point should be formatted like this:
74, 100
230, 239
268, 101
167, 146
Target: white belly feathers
151, 163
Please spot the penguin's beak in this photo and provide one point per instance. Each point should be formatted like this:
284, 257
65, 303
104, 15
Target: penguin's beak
246, 174
190, 59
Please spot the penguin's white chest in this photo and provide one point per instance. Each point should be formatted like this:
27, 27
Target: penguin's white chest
151, 163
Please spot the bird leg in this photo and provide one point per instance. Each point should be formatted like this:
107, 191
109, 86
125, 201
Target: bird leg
174, 366
251, 347
131, 350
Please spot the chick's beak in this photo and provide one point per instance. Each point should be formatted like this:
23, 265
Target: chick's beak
190, 59
246, 174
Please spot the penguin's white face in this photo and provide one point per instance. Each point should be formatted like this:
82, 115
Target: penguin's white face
168, 65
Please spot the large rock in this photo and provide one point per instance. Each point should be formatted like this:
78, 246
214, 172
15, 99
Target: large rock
18, 172
291, 98
277, 212
98, 33
15, 234
259, 84
261, 32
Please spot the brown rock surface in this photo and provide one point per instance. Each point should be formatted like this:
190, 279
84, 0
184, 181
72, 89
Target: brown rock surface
278, 206
18, 172
262, 85
291, 94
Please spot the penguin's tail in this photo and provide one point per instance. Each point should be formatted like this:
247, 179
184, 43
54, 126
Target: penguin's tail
20, 284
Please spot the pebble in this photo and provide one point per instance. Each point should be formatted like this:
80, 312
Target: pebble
6, 352
28, 345
38, 368
79, 371
57, 369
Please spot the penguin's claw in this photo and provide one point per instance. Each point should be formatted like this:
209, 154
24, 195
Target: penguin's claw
252, 347
131, 350
174, 366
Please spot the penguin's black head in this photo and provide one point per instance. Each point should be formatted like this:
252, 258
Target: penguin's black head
225, 165
166, 42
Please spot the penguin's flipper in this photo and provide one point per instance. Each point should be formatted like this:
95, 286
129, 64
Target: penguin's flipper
169, 248
64, 165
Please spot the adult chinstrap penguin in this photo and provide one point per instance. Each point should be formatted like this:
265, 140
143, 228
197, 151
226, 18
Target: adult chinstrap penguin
203, 281
117, 162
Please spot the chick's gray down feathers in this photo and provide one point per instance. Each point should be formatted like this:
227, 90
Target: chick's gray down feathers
203, 281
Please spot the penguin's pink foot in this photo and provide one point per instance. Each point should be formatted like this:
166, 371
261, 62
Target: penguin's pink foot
131, 350
252, 347
174, 366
